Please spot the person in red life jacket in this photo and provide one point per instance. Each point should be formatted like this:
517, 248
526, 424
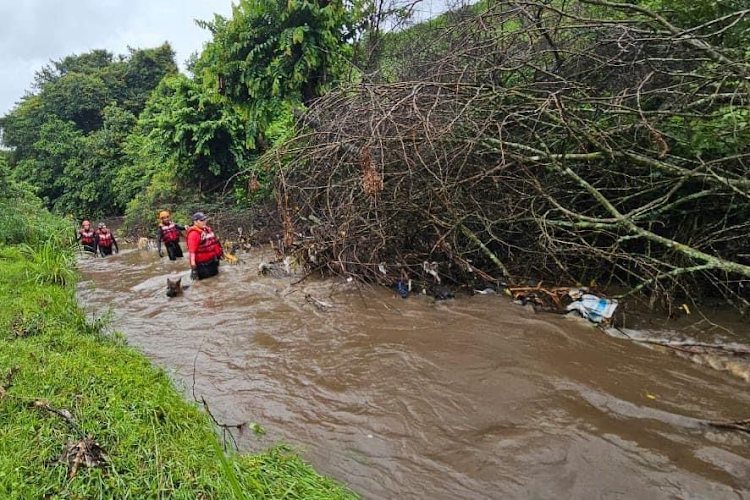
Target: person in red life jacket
204, 248
169, 233
105, 240
87, 237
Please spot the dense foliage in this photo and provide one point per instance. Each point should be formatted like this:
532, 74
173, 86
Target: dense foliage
584, 141
104, 135
186, 145
24, 220
67, 135
272, 52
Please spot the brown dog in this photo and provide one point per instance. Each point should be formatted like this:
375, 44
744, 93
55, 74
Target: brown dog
174, 287
146, 244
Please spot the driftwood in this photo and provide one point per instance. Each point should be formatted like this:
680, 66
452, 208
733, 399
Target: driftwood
83, 452
734, 425
62, 413
698, 347
687, 346
554, 293
86, 452
317, 303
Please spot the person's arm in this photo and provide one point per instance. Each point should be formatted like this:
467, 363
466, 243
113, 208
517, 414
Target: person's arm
78, 236
158, 241
193, 240
193, 264
96, 244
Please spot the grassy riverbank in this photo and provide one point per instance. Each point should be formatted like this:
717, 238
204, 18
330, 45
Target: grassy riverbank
62, 380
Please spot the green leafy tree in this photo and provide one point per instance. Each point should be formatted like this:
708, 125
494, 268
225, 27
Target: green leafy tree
272, 51
57, 145
77, 97
88, 178
5, 178
68, 137
198, 140
87, 63
21, 127
144, 70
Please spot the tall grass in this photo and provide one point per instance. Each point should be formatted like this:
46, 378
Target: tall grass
228, 470
51, 261
44, 239
25, 220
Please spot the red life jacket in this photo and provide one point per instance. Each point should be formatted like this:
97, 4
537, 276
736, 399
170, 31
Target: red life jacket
105, 239
169, 233
209, 247
87, 237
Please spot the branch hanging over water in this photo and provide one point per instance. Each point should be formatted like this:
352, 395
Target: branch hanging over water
560, 145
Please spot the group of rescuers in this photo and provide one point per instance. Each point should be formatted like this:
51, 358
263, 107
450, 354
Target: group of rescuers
204, 248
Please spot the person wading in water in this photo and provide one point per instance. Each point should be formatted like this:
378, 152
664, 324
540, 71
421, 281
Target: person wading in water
87, 237
204, 248
169, 233
105, 240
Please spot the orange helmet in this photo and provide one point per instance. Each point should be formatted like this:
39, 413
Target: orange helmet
163, 214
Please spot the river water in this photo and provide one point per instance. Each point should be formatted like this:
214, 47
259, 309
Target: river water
418, 399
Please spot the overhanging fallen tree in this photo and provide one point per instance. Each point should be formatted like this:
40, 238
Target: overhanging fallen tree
591, 143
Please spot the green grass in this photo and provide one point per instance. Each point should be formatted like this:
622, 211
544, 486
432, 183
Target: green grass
50, 262
158, 445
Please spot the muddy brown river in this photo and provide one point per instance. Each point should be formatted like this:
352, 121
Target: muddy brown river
415, 399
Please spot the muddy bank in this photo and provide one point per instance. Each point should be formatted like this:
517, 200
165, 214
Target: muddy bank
471, 398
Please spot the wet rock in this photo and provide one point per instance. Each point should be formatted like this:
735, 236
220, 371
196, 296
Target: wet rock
441, 292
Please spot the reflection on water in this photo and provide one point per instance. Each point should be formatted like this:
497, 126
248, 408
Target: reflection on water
416, 399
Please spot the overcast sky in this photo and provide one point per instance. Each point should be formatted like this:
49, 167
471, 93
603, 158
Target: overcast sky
34, 31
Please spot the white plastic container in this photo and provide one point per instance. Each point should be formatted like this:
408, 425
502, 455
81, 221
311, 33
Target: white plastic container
594, 308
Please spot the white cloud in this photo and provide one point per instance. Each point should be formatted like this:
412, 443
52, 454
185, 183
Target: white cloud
35, 31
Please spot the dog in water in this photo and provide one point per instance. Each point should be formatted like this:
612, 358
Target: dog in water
174, 287
145, 244
278, 268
